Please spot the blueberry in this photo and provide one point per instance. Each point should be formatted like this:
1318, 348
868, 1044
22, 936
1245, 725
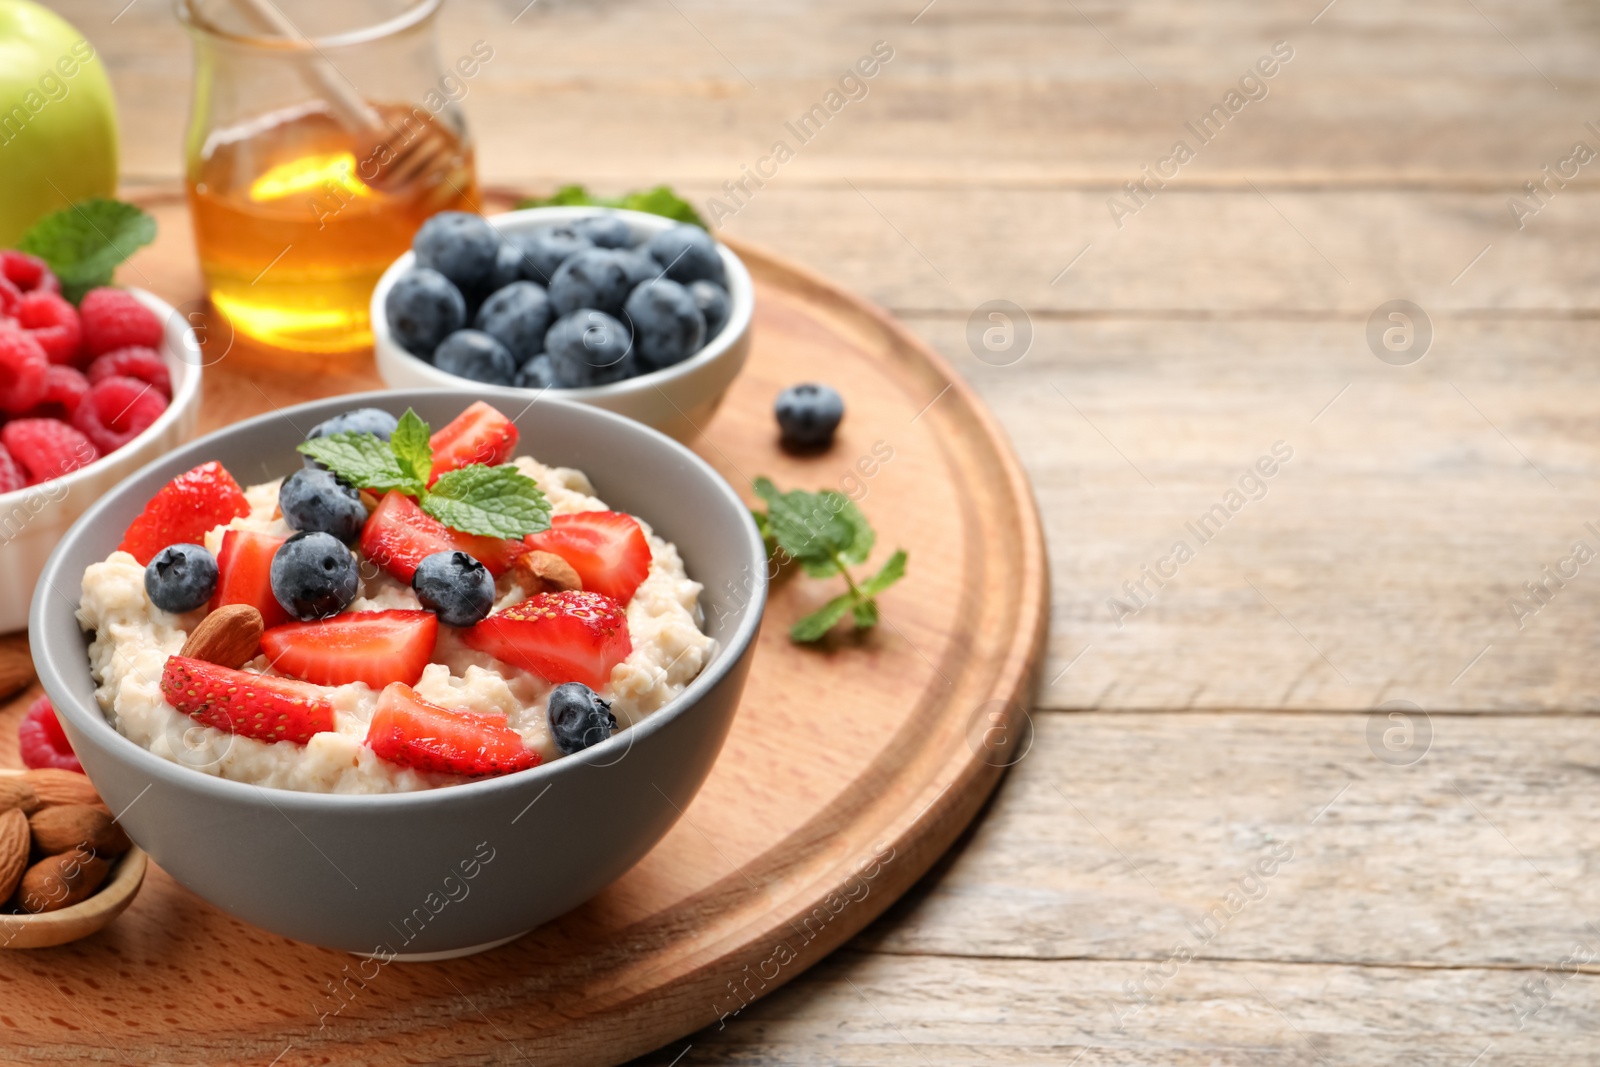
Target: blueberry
714, 303
544, 250
507, 265
461, 246
537, 373
455, 587
667, 327
605, 231
180, 578
517, 316
475, 356
423, 308
808, 414
589, 348
315, 501
578, 717
314, 576
689, 254
591, 279
639, 264
361, 420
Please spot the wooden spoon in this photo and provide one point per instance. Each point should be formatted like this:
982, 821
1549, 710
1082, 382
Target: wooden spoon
423, 152
81, 919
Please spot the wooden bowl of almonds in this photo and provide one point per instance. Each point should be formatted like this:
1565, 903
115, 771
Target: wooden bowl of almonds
66, 867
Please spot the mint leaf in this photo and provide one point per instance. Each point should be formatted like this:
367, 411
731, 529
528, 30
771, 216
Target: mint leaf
412, 450
84, 243
866, 613
658, 201
891, 572
812, 627
489, 501
812, 528
364, 460
663, 201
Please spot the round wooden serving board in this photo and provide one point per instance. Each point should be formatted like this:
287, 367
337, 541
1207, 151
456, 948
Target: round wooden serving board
849, 769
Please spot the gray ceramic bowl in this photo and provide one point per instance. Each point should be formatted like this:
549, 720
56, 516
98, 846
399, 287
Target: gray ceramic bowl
456, 869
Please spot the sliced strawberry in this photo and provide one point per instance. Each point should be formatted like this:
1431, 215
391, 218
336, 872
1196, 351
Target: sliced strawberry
184, 510
410, 731
375, 647
606, 548
576, 635
251, 705
244, 574
42, 742
479, 434
399, 534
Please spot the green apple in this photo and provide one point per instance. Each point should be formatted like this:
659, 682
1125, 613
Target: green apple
58, 123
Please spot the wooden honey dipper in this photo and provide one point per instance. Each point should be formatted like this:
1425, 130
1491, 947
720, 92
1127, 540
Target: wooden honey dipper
424, 150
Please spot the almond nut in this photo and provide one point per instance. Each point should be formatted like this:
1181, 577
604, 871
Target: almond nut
61, 881
16, 666
69, 826
370, 500
54, 786
13, 851
15, 792
544, 572
229, 637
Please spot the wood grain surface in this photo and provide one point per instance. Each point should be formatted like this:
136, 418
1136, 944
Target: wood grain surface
1227, 314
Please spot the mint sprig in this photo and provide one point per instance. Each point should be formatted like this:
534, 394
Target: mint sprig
658, 201
83, 244
826, 534
477, 499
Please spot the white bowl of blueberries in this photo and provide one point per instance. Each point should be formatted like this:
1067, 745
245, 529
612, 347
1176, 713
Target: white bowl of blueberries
631, 312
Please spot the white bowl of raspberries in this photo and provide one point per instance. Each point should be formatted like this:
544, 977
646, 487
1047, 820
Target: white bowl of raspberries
88, 395
622, 310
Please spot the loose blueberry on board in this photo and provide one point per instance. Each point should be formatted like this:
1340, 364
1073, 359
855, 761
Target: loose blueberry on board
537, 373
455, 587
639, 264
688, 254
423, 308
315, 501
606, 231
589, 348
314, 576
544, 250
578, 717
667, 327
459, 245
476, 356
808, 415
375, 421
517, 316
181, 578
590, 279
714, 303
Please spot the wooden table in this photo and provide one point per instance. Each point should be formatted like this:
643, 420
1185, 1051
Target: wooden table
1222, 847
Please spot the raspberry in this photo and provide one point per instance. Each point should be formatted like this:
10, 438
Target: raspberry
47, 448
9, 295
27, 273
42, 742
53, 323
144, 364
113, 318
11, 476
64, 389
116, 410
23, 365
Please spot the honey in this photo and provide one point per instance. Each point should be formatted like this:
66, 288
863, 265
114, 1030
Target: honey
292, 240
